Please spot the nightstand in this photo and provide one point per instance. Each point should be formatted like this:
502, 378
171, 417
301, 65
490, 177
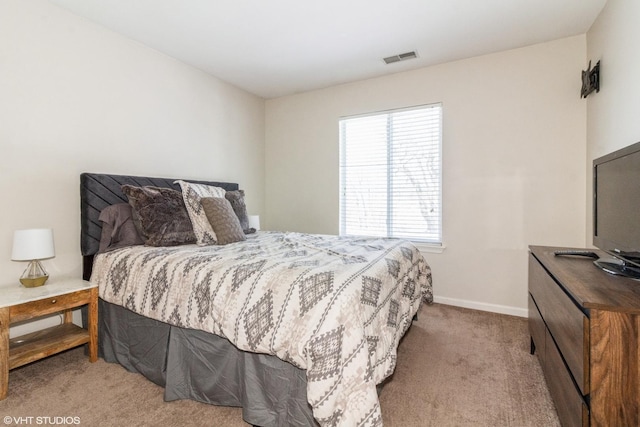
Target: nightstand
18, 303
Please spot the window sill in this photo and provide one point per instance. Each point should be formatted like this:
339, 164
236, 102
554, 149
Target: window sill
429, 248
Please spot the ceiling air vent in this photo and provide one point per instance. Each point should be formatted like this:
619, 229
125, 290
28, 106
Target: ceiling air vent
400, 57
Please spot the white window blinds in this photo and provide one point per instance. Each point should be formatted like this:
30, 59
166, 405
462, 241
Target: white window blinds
390, 174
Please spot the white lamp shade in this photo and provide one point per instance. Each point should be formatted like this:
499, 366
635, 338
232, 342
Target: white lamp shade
35, 243
254, 222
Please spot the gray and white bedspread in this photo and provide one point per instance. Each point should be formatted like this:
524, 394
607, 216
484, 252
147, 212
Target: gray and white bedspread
334, 306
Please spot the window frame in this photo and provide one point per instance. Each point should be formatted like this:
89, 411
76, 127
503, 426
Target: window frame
429, 245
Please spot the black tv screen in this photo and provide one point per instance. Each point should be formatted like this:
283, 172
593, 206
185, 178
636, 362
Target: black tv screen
616, 191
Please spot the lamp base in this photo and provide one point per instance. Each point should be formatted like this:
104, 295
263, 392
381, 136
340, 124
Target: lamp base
34, 276
33, 282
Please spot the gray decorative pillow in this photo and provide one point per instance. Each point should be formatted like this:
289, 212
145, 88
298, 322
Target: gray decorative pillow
118, 229
223, 220
192, 194
160, 215
236, 198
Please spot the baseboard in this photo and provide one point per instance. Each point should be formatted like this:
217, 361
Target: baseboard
493, 308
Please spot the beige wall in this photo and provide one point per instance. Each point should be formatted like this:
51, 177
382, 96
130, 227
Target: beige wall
613, 114
75, 97
513, 155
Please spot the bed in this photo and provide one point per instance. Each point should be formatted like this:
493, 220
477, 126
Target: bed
296, 329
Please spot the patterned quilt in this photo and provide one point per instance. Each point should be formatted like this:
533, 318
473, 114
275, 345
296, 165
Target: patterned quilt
334, 306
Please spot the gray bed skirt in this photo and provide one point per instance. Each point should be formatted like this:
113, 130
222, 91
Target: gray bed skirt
196, 365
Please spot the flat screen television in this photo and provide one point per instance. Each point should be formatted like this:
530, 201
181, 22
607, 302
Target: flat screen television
616, 210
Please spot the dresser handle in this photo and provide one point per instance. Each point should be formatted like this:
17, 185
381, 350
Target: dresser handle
53, 301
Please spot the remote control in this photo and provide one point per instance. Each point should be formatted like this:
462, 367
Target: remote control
579, 252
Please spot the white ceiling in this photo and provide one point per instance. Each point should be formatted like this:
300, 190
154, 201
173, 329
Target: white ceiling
279, 47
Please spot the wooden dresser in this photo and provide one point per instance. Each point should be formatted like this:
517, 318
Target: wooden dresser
585, 329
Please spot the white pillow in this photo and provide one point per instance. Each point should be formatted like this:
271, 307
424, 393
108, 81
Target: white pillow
192, 194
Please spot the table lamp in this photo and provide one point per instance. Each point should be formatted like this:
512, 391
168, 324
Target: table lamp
33, 245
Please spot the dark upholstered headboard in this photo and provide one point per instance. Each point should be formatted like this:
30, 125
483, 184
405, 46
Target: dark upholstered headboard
98, 191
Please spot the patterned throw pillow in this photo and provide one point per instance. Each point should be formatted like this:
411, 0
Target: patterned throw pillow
223, 220
192, 194
160, 215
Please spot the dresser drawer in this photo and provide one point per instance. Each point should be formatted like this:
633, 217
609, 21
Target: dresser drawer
571, 407
537, 329
567, 323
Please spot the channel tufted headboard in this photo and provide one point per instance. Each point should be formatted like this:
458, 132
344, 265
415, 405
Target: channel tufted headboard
98, 191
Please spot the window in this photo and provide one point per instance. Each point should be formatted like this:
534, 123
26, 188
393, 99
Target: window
390, 174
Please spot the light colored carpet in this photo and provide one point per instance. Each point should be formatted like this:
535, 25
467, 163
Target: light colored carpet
456, 367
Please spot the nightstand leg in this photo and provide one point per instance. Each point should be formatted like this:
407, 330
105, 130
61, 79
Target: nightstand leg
93, 326
68, 316
4, 352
